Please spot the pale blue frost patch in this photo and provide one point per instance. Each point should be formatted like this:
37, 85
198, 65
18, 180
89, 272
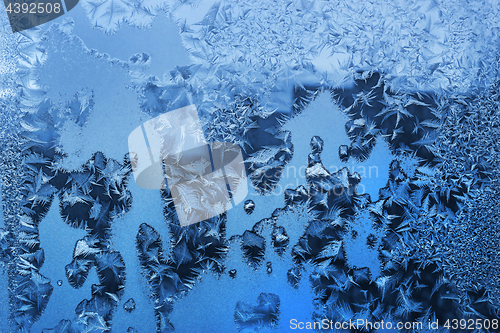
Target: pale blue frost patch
115, 113
108, 15
420, 45
162, 41
374, 171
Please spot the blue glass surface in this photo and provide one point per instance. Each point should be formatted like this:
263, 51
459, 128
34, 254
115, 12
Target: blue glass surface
370, 134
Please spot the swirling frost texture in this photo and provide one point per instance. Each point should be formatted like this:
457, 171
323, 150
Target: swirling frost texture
469, 157
426, 44
469, 250
108, 15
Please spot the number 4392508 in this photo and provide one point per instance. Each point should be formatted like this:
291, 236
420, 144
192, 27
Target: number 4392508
33, 8
472, 324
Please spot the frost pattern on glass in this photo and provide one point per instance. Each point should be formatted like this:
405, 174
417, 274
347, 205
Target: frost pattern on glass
263, 315
129, 305
89, 197
195, 248
421, 76
108, 15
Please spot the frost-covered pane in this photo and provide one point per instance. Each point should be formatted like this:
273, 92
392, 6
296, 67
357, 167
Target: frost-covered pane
339, 162
5, 256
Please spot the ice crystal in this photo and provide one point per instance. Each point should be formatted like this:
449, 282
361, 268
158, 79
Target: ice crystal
264, 315
407, 120
249, 206
253, 248
129, 305
280, 240
164, 283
